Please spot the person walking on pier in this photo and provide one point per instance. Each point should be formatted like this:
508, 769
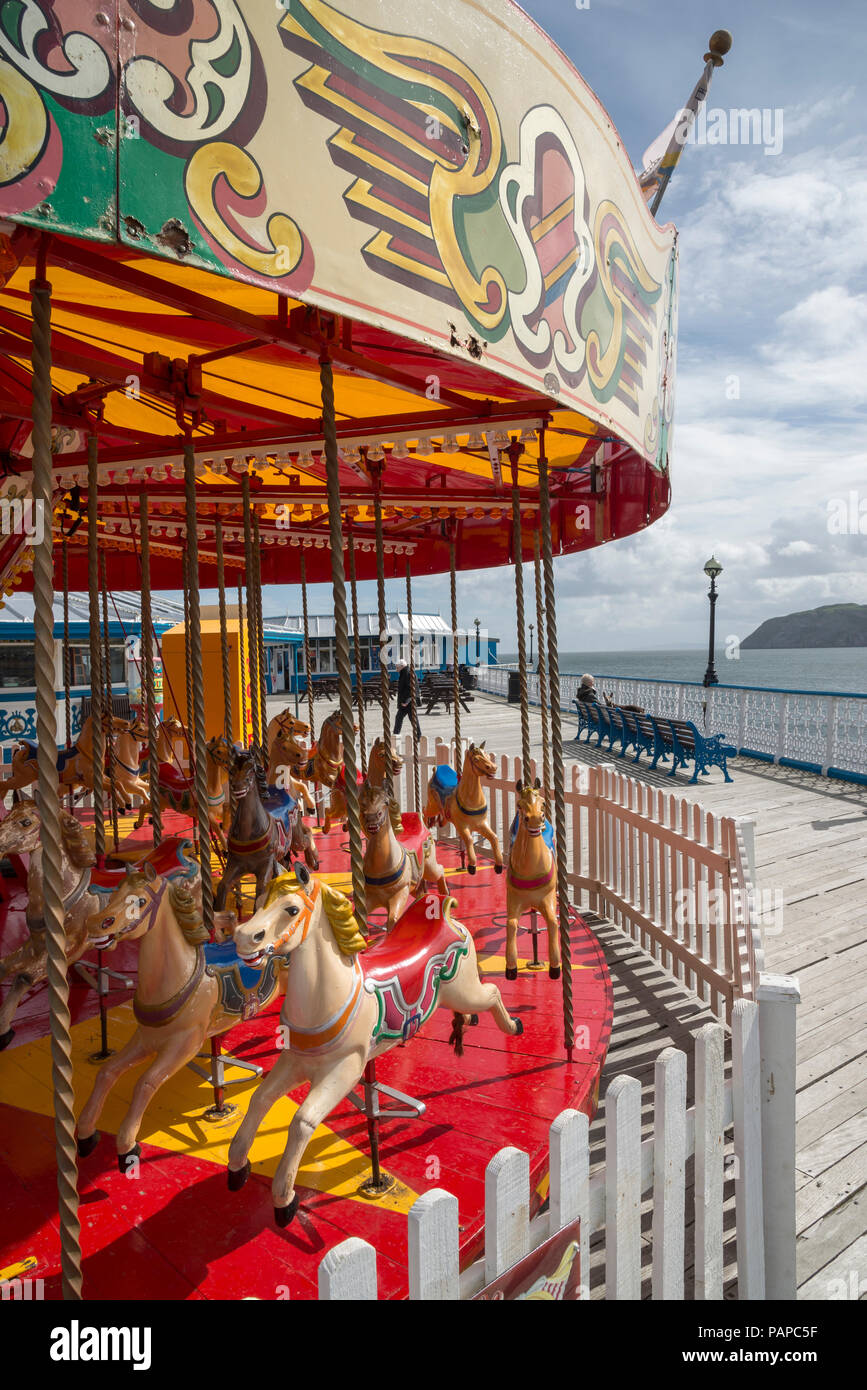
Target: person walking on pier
405, 682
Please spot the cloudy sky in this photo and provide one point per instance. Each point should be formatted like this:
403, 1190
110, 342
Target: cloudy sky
772, 358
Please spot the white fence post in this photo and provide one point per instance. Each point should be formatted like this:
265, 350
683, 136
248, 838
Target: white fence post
507, 1211
434, 1247
747, 1106
348, 1272
623, 1188
570, 1182
709, 1143
778, 999
669, 1173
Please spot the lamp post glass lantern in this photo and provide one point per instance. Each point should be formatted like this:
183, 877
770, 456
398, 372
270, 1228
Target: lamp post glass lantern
713, 569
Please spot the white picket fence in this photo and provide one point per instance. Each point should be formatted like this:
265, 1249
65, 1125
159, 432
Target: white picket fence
676, 878
754, 1112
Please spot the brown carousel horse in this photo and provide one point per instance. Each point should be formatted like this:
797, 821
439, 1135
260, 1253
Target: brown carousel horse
188, 990
531, 877
463, 803
287, 768
326, 759
375, 778
178, 790
75, 764
260, 837
395, 866
347, 1003
283, 730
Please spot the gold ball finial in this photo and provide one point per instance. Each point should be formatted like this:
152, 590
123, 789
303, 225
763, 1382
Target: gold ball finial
718, 45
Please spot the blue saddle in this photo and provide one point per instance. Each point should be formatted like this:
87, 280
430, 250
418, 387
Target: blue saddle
281, 805
63, 755
547, 833
444, 780
223, 955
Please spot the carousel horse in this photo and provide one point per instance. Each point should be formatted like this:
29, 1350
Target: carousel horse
84, 886
75, 764
260, 836
178, 790
395, 866
463, 802
326, 759
531, 877
375, 778
347, 1003
189, 989
285, 768
283, 730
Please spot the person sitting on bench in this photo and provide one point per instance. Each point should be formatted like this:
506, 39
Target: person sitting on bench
405, 681
587, 691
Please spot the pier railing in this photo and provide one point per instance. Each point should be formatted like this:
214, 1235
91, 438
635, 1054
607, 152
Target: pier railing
676, 878
817, 731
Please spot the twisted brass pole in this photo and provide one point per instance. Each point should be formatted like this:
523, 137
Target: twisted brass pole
341, 634
556, 748
308, 673
243, 661
188, 668
356, 641
543, 673
224, 634
518, 558
98, 743
195, 641
108, 708
67, 654
252, 645
49, 798
260, 640
456, 685
416, 775
384, 683
147, 647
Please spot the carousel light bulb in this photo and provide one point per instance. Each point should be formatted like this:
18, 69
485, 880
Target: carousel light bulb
424, 445
528, 436
220, 466
375, 453
305, 459
158, 473
476, 440
351, 454
451, 445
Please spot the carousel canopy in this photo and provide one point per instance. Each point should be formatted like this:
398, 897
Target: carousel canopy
222, 196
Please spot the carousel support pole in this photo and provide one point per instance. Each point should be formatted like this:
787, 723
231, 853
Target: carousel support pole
188, 668
356, 642
147, 638
195, 639
556, 749
518, 560
243, 659
252, 621
224, 635
108, 707
543, 674
308, 675
416, 775
98, 761
260, 640
456, 683
49, 793
67, 659
384, 683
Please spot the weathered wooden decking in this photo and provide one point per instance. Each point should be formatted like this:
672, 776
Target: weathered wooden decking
811, 845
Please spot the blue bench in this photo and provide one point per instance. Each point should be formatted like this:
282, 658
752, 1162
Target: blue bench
686, 745
677, 740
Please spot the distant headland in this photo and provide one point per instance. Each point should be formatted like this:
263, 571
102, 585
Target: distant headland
834, 625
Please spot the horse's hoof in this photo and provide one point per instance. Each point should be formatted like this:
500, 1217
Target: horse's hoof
511, 972
283, 1215
473, 1021
126, 1162
238, 1176
553, 972
519, 1027
471, 868
86, 1146
498, 868
6, 1038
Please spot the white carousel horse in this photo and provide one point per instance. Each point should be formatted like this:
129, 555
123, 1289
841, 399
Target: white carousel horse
347, 1003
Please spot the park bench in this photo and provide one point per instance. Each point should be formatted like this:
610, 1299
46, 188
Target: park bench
662, 739
682, 740
437, 688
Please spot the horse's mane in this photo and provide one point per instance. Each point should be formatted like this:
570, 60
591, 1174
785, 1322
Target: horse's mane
78, 847
187, 912
338, 910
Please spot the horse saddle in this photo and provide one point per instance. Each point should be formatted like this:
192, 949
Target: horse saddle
341, 778
414, 834
244, 989
406, 968
282, 806
547, 833
173, 780
63, 754
170, 858
444, 782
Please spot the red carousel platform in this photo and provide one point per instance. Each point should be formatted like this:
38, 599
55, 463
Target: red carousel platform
173, 1230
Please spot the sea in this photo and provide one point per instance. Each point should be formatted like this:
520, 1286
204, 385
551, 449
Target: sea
835, 670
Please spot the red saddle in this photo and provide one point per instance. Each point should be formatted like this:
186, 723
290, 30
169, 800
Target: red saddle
173, 779
405, 952
414, 833
341, 778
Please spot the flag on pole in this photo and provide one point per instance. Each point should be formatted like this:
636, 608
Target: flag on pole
660, 158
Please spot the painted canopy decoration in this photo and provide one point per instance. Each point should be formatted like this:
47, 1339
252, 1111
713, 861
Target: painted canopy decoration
430, 191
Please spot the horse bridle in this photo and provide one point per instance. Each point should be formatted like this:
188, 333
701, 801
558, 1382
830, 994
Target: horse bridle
149, 913
303, 920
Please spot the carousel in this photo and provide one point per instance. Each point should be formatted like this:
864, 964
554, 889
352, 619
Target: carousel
292, 295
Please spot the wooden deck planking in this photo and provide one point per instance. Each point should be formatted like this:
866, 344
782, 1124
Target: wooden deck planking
811, 843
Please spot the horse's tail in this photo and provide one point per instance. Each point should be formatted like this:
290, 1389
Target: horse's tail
456, 1037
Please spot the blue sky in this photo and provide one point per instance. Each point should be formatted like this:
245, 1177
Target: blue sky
773, 251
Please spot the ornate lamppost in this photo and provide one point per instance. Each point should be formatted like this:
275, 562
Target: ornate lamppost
712, 569
531, 646
478, 623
